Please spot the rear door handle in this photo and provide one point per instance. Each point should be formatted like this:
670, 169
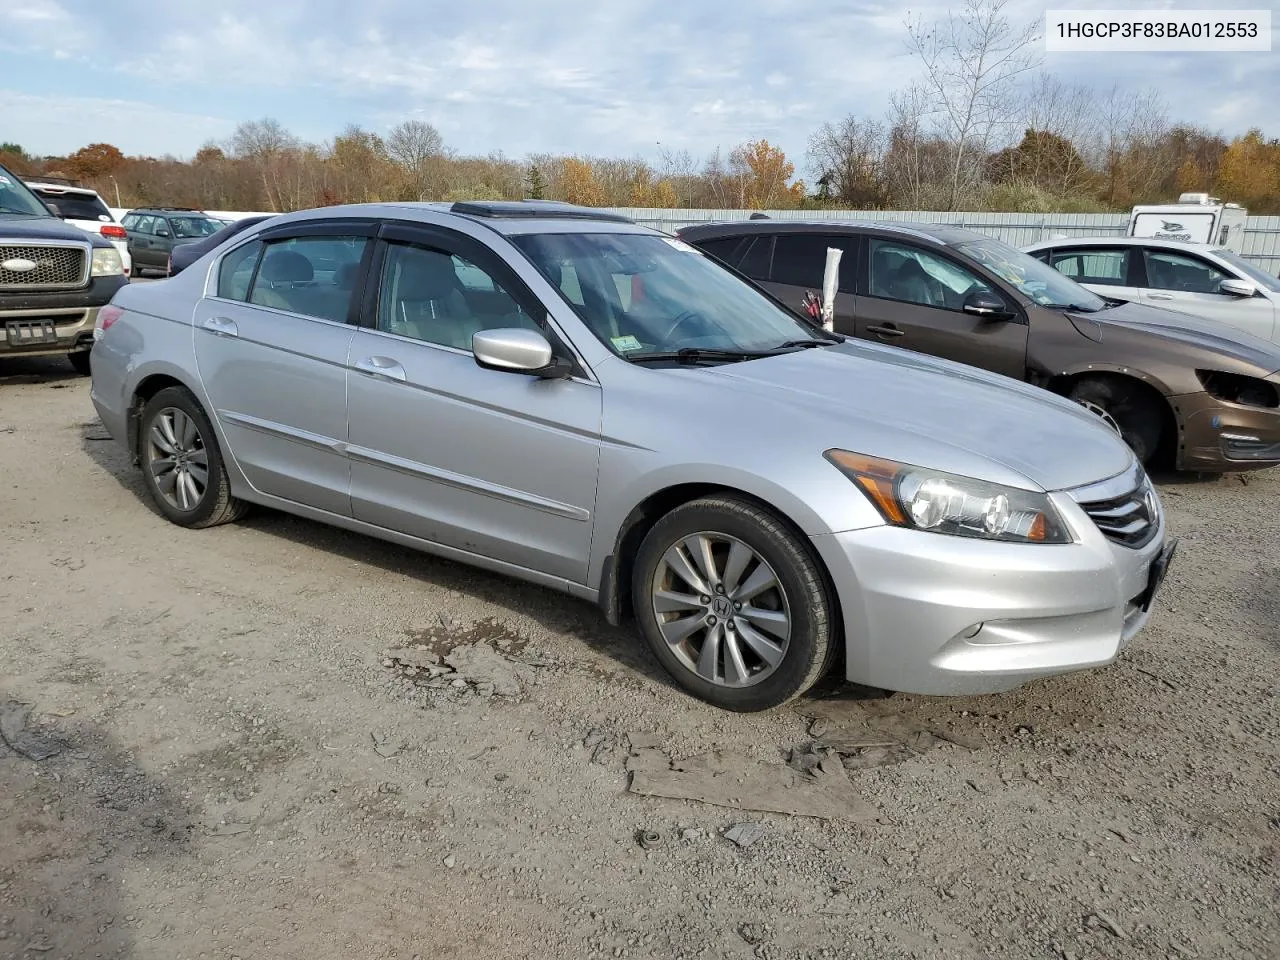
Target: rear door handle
888, 330
384, 367
221, 327
1159, 296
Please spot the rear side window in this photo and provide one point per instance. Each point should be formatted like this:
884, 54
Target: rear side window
313, 276
800, 259
237, 270
759, 256
727, 249
1102, 265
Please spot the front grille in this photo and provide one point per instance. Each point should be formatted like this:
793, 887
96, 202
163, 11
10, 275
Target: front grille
1131, 519
54, 266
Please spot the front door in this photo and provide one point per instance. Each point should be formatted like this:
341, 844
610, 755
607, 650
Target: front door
1189, 284
915, 299
502, 465
271, 348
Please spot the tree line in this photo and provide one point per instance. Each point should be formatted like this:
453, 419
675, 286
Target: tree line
984, 128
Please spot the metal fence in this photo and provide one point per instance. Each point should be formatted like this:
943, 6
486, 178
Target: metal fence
1261, 234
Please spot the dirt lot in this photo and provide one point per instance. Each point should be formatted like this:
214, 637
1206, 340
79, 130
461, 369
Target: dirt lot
241, 774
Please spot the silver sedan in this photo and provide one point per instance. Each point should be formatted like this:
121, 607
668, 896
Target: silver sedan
562, 396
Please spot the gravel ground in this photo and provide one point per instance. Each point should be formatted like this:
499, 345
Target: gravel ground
243, 775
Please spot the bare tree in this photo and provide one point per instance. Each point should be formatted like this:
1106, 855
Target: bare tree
971, 64
1131, 145
414, 145
680, 169
272, 152
847, 159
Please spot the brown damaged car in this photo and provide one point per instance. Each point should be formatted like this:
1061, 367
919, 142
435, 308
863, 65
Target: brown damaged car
1183, 392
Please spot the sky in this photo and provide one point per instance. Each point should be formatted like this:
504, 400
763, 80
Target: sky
605, 77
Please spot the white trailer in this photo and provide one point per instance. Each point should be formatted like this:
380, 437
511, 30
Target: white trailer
1195, 218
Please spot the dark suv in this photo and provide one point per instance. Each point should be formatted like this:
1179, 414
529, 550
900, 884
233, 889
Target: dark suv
1169, 383
155, 231
54, 278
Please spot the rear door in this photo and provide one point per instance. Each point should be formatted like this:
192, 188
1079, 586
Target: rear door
797, 266
1105, 270
499, 465
914, 298
271, 348
141, 238
1190, 284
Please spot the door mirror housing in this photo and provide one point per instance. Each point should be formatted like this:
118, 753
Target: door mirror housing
53, 208
986, 306
162, 232
517, 350
1237, 288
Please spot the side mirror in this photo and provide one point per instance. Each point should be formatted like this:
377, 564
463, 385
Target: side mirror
53, 208
517, 350
162, 232
986, 305
1237, 288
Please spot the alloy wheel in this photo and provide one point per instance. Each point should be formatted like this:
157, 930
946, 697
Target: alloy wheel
721, 609
177, 459
1102, 414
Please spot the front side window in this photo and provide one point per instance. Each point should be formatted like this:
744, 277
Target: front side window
911, 274
433, 296
1101, 265
313, 276
641, 295
1035, 280
800, 259
1174, 271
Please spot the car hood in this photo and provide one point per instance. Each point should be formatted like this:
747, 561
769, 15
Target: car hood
45, 228
1183, 328
903, 406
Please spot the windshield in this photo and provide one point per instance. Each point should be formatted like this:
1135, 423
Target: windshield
17, 200
643, 295
1264, 280
1036, 280
188, 227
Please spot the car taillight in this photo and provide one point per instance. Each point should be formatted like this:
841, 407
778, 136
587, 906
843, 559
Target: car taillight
106, 317
114, 231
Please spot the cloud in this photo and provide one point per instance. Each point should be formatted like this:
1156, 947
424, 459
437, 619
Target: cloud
603, 78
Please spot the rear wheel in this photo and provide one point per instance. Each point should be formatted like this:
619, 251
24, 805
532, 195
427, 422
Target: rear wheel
733, 605
181, 463
1127, 408
80, 360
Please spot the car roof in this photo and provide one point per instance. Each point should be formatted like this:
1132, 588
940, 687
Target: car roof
508, 217
169, 210
940, 233
1123, 242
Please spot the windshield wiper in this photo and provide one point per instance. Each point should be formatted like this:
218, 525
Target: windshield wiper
1079, 307
824, 342
699, 354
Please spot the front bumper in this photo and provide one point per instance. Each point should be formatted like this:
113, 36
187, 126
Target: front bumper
73, 314
1219, 437
932, 614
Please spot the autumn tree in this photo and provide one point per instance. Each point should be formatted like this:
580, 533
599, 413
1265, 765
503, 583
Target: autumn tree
1250, 173
95, 160
761, 173
578, 184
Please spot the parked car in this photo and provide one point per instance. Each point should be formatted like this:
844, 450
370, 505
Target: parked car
188, 253
54, 278
558, 394
1178, 389
1205, 281
154, 233
84, 208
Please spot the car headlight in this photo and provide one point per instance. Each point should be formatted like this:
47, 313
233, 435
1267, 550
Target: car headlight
922, 499
107, 262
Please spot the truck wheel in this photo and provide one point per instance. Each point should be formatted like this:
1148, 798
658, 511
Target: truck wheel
1127, 408
80, 360
733, 604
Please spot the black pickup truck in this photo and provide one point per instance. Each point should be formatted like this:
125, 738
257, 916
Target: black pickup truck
54, 278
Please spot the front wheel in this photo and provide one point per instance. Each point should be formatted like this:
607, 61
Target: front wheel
733, 604
80, 361
1128, 408
181, 463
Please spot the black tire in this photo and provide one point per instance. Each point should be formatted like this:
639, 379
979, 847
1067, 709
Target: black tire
1126, 406
80, 360
801, 597
215, 505
134, 269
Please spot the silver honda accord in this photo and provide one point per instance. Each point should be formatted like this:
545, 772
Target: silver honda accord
560, 395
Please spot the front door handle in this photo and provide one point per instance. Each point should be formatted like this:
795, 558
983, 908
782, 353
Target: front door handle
384, 367
888, 330
1159, 296
221, 327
